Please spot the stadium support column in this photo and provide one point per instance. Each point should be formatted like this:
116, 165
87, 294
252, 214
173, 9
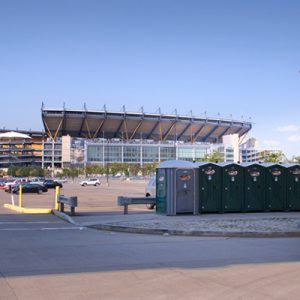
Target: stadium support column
194, 152
122, 152
52, 160
43, 154
141, 150
159, 151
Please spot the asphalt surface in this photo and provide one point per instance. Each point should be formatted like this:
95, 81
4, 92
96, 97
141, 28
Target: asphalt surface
45, 257
42, 257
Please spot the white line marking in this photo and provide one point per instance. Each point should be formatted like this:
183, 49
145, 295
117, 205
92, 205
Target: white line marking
65, 228
42, 229
41, 222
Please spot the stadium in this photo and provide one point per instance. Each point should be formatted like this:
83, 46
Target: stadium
139, 137
73, 136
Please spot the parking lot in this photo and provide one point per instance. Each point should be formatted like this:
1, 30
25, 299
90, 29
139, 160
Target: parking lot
42, 256
101, 198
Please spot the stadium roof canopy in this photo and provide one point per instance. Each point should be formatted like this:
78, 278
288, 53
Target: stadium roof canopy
92, 124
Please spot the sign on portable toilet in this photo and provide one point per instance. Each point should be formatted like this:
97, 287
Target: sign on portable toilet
210, 187
232, 187
254, 187
177, 187
292, 186
275, 187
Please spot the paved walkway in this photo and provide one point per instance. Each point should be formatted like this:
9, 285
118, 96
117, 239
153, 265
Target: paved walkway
230, 224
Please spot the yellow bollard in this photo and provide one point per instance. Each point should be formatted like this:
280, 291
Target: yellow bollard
57, 192
20, 195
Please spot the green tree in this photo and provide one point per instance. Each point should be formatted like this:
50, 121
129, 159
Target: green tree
125, 169
150, 168
33, 172
296, 159
274, 157
94, 169
74, 172
116, 168
12, 171
23, 171
36, 172
134, 169
215, 156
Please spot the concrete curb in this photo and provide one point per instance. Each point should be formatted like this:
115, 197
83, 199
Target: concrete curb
65, 217
193, 232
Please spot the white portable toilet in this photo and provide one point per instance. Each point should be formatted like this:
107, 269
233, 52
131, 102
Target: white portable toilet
177, 187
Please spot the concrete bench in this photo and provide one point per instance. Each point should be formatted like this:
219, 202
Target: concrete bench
125, 201
71, 201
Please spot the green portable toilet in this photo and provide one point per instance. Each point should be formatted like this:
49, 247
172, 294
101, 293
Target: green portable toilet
275, 187
254, 187
210, 187
292, 186
177, 187
232, 187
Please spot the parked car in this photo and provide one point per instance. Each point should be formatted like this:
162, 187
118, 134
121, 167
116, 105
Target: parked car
11, 184
52, 184
29, 188
90, 181
61, 180
3, 182
38, 180
150, 190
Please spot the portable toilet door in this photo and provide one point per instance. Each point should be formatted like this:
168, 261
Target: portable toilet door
186, 191
210, 187
161, 191
254, 187
275, 187
293, 187
232, 187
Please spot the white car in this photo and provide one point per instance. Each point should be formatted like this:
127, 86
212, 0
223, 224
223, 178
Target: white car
90, 181
150, 190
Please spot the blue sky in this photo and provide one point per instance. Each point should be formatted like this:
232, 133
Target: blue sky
239, 58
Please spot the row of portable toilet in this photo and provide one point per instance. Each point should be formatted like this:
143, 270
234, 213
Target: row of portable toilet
185, 187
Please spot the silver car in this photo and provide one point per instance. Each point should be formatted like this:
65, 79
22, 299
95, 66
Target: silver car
90, 181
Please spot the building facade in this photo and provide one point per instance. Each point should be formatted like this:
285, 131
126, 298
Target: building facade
142, 152
21, 151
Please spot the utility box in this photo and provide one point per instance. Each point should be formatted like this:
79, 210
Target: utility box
232, 187
275, 187
254, 187
210, 187
292, 187
177, 187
